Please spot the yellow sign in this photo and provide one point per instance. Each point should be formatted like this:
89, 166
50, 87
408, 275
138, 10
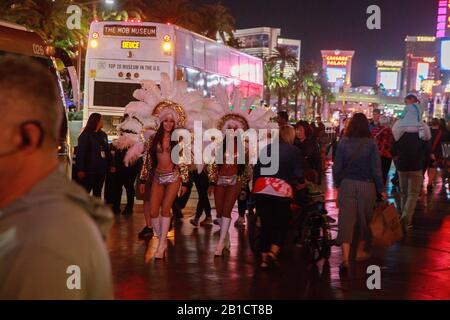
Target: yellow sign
389, 63
429, 59
388, 69
337, 60
426, 39
427, 86
131, 44
92, 73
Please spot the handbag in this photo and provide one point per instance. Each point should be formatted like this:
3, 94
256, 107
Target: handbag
385, 225
167, 178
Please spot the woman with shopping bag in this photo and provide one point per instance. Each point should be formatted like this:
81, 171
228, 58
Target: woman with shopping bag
357, 175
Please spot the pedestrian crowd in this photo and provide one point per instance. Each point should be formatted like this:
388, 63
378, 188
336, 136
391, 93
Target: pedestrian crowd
38, 204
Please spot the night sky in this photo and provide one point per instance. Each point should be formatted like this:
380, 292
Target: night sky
341, 24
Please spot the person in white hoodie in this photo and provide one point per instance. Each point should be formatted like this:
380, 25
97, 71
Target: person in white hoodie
411, 120
51, 231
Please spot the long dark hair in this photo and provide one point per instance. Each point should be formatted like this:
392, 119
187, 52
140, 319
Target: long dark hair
358, 127
92, 123
158, 140
306, 128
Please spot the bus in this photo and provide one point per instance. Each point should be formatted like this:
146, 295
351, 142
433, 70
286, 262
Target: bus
17, 40
122, 54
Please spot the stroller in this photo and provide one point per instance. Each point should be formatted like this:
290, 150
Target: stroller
313, 227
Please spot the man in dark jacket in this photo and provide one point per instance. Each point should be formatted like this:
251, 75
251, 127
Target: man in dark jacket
123, 177
93, 158
412, 155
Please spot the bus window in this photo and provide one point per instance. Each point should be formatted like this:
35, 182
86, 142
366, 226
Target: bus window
114, 94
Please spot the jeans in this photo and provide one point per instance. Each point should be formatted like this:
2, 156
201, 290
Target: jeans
410, 186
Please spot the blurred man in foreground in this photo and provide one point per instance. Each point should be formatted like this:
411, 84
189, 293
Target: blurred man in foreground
51, 232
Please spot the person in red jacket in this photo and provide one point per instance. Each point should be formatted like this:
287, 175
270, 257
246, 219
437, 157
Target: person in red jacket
384, 138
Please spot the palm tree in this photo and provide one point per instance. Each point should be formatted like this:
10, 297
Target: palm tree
48, 19
272, 79
216, 19
284, 57
122, 11
234, 42
312, 90
295, 89
179, 12
308, 82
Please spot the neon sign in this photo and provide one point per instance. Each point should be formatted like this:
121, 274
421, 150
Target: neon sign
425, 39
443, 20
429, 59
337, 60
389, 63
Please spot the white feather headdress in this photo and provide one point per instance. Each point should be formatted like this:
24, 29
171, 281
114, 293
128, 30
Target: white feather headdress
231, 112
172, 98
143, 117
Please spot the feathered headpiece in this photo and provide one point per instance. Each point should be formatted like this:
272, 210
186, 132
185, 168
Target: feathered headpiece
143, 117
232, 113
172, 99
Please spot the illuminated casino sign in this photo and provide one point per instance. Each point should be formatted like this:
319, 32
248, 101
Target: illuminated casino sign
337, 60
429, 59
425, 39
443, 20
389, 63
337, 65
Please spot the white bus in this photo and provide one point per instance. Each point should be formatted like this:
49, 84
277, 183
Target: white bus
122, 54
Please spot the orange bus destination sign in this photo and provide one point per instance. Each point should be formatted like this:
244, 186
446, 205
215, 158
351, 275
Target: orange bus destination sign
130, 31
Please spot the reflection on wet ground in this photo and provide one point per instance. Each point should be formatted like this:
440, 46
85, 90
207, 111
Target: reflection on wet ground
418, 267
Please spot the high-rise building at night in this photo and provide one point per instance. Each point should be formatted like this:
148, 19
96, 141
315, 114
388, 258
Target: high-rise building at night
420, 62
263, 41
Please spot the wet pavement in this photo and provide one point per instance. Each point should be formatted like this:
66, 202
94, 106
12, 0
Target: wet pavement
418, 267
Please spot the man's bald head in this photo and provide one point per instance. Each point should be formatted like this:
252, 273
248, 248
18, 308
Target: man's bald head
28, 93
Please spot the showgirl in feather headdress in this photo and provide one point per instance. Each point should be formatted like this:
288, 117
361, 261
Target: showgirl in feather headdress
231, 113
174, 108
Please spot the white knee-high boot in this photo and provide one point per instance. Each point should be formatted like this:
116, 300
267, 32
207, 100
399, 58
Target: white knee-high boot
162, 244
224, 242
156, 224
